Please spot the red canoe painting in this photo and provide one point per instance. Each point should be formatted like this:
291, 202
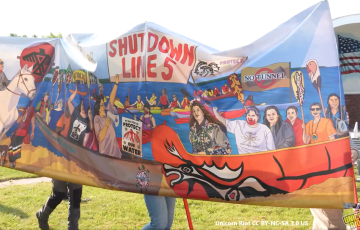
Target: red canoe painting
182, 120
232, 177
215, 98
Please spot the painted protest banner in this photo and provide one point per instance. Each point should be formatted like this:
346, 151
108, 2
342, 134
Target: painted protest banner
79, 75
132, 138
261, 124
266, 78
207, 68
165, 57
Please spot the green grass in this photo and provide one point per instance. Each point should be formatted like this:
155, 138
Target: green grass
7, 174
121, 210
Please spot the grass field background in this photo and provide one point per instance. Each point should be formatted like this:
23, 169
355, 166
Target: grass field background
7, 174
121, 210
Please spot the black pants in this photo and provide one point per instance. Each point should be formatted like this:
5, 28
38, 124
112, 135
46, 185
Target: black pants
59, 192
56, 198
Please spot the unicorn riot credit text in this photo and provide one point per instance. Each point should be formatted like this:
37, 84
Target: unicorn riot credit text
262, 223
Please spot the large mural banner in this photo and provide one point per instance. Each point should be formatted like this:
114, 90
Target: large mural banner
154, 112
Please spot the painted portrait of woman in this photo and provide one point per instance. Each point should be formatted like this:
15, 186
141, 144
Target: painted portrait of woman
207, 134
282, 131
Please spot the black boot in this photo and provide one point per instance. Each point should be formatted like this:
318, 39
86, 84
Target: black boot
73, 219
43, 216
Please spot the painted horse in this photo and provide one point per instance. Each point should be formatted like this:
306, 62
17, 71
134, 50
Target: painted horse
22, 85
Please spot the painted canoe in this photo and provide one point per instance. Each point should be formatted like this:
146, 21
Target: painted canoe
182, 111
182, 120
133, 110
166, 112
228, 177
110, 170
153, 111
179, 115
215, 98
120, 111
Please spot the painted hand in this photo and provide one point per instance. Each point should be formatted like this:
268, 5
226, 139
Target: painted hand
108, 121
116, 78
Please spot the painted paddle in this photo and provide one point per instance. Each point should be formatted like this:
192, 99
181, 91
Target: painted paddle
297, 82
313, 70
236, 88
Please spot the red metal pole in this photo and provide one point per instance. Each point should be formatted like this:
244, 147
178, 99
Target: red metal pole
188, 214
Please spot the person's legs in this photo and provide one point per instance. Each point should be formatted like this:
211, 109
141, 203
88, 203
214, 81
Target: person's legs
74, 206
170, 203
157, 208
54, 200
327, 219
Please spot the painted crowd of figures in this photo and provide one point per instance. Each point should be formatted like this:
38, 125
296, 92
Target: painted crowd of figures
93, 129
163, 103
208, 135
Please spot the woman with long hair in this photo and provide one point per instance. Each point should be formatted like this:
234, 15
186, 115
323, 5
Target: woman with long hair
92, 142
148, 121
104, 126
282, 131
207, 134
175, 103
185, 104
337, 114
